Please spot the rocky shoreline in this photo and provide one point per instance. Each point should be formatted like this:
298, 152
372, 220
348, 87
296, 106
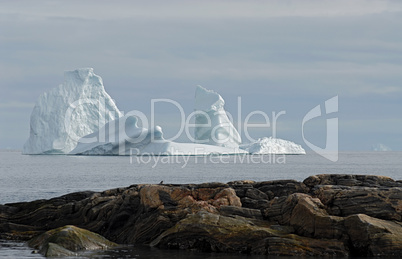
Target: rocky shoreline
341, 215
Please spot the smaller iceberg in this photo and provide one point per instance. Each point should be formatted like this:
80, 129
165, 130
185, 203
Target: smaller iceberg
213, 126
273, 146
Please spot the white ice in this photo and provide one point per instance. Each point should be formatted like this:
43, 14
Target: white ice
273, 146
68, 112
124, 137
213, 126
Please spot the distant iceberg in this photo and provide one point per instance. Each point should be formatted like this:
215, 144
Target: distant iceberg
380, 147
273, 146
68, 112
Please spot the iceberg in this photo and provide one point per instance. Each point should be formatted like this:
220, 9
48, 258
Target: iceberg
61, 116
124, 137
213, 126
273, 146
380, 147
78, 117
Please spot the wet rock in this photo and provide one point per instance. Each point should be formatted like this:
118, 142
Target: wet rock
68, 240
209, 232
52, 250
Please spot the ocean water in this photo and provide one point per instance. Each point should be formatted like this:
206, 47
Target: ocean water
31, 177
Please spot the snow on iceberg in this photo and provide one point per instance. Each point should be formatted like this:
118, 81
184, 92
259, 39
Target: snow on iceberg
273, 146
213, 126
124, 137
72, 110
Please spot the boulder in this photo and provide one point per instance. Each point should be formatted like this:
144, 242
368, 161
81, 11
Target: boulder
307, 215
68, 240
374, 237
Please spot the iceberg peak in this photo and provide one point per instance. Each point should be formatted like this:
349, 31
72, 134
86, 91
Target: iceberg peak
213, 126
62, 115
206, 100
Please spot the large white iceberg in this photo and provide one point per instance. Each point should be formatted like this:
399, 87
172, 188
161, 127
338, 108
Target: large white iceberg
213, 126
124, 137
80, 118
68, 112
273, 146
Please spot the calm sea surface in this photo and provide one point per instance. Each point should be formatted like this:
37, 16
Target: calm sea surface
26, 178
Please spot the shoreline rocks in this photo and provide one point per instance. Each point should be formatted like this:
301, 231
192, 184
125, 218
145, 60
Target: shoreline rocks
342, 215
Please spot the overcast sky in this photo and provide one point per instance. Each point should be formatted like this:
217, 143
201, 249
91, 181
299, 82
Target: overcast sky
276, 55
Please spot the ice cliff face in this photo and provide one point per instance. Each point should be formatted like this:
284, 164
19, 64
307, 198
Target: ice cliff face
213, 126
68, 112
273, 146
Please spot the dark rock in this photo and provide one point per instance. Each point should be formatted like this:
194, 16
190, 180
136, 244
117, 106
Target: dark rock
281, 188
379, 202
306, 215
209, 232
351, 180
256, 194
254, 204
241, 183
212, 185
239, 211
374, 237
